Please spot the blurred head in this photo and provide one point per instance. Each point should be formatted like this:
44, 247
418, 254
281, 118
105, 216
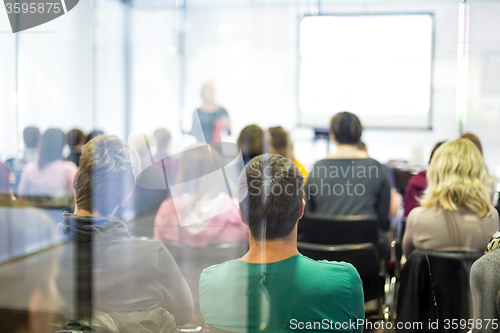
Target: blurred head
456, 178
138, 143
105, 177
31, 136
252, 141
53, 141
345, 128
4, 179
76, 138
163, 137
280, 142
93, 134
436, 146
195, 163
207, 92
274, 189
37, 297
472, 137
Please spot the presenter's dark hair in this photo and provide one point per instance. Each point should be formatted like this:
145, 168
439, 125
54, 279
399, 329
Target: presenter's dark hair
346, 128
271, 189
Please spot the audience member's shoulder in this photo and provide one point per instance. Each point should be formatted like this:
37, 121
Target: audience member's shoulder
494, 214
416, 212
332, 265
31, 166
371, 161
487, 263
224, 265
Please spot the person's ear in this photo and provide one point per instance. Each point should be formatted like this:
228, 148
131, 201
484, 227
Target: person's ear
302, 208
74, 180
332, 137
241, 217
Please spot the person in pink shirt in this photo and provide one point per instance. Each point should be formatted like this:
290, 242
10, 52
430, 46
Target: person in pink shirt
50, 176
200, 211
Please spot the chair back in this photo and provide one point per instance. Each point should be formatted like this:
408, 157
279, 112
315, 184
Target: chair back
435, 286
338, 230
349, 238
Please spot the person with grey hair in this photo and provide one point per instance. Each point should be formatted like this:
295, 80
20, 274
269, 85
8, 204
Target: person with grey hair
137, 284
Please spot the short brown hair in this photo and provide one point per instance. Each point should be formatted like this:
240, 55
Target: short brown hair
252, 141
105, 175
76, 137
473, 137
271, 189
280, 141
346, 128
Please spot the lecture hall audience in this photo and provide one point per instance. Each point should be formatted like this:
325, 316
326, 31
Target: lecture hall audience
137, 285
31, 137
47, 181
273, 284
456, 212
202, 212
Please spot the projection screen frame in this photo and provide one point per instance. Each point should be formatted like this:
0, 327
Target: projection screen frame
430, 124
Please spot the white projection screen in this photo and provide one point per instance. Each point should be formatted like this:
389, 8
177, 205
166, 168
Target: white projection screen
376, 66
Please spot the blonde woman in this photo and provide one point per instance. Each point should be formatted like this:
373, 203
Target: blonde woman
455, 213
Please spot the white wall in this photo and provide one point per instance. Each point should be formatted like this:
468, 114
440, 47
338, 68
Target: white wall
249, 48
250, 51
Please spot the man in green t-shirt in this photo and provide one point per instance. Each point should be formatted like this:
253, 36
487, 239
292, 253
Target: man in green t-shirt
273, 288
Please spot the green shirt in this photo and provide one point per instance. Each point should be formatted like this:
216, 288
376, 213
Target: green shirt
295, 294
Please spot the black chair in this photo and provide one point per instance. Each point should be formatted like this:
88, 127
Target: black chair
353, 239
435, 286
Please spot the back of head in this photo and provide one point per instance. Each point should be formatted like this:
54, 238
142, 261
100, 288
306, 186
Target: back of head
472, 137
31, 136
456, 178
252, 141
436, 146
53, 141
93, 134
346, 128
195, 164
163, 138
4, 179
106, 174
280, 141
272, 187
76, 137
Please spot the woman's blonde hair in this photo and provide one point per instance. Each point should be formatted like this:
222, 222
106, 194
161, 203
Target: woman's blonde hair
456, 178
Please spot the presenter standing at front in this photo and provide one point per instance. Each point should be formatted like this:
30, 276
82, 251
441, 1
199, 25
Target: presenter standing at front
212, 118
